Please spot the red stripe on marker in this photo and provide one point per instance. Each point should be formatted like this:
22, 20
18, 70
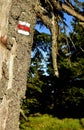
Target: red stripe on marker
23, 27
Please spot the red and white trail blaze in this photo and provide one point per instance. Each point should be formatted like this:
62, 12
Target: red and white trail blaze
23, 28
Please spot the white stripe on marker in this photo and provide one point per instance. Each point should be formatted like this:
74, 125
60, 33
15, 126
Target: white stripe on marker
23, 32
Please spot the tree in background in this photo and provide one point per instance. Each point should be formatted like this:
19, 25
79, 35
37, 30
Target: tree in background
46, 94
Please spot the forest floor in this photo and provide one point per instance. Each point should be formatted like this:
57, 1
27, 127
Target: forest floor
48, 122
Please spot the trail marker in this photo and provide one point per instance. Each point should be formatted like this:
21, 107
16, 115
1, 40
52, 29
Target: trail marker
23, 28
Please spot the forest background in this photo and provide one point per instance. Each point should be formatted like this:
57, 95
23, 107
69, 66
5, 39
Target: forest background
48, 95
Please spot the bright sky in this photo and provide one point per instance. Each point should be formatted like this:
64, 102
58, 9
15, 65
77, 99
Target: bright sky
42, 29
68, 22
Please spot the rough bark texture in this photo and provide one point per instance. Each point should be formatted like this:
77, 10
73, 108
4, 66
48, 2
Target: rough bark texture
15, 50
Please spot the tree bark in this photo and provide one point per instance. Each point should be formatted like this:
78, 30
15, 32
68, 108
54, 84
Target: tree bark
54, 35
15, 51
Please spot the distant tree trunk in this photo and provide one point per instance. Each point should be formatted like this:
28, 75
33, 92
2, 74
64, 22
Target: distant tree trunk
55, 32
15, 50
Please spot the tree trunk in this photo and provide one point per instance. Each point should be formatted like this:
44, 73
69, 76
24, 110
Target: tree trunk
55, 32
15, 50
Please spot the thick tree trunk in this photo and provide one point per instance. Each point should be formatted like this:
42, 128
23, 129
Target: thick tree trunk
15, 50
